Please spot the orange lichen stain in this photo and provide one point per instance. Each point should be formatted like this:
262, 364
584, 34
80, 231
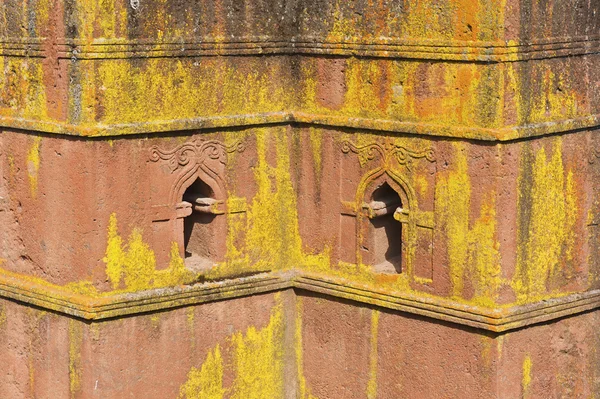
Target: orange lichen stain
473, 249
75, 343
133, 264
548, 212
257, 365
374, 356
425, 19
526, 378
466, 22
33, 164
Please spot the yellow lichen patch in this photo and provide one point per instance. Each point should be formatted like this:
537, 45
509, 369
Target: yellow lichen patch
33, 164
206, 383
2, 316
454, 194
115, 257
22, 88
473, 250
225, 90
487, 345
303, 390
139, 263
526, 378
83, 287
273, 238
258, 360
273, 234
134, 263
484, 255
363, 83
257, 365
190, 314
558, 100
457, 94
374, 356
421, 185
547, 214
75, 343
553, 98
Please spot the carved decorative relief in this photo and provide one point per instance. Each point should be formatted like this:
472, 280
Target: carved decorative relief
388, 151
195, 152
200, 156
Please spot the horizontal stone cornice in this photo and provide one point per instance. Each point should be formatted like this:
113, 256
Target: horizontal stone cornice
120, 304
501, 134
407, 48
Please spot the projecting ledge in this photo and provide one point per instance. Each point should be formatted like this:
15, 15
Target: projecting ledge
114, 305
501, 134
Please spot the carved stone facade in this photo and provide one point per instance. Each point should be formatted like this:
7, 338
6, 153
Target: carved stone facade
296, 199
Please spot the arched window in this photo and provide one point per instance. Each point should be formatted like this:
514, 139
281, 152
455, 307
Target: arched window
198, 229
385, 235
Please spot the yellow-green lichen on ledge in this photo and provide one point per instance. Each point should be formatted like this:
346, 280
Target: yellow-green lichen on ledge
256, 364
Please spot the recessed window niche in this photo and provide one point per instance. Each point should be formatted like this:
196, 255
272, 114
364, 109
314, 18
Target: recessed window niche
385, 231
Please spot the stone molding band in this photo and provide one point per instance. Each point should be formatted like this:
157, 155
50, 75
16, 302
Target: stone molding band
462, 51
118, 305
502, 134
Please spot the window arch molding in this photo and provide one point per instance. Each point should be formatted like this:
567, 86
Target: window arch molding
368, 185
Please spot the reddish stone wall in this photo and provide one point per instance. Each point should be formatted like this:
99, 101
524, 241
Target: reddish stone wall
302, 200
